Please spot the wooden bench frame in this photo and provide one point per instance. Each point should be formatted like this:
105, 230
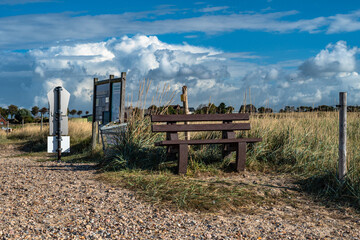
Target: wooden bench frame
229, 141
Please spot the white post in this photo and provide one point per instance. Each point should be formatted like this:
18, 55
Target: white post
342, 135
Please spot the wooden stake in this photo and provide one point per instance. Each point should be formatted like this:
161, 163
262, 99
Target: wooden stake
42, 122
186, 108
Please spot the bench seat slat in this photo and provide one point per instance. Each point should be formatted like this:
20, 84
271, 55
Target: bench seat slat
200, 127
207, 141
200, 117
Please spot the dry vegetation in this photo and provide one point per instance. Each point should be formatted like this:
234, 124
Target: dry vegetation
302, 145
36, 140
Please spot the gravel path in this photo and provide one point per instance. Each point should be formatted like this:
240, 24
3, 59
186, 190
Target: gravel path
63, 201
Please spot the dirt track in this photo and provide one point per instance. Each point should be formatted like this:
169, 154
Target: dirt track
63, 201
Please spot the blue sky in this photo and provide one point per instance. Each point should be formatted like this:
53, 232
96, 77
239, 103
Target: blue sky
287, 52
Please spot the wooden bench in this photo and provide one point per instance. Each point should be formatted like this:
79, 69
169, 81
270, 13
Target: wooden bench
229, 141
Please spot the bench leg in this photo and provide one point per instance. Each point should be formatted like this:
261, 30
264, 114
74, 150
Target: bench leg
171, 153
183, 158
240, 156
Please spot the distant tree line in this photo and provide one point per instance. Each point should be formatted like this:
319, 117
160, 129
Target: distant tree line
201, 109
321, 108
249, 108
17, 115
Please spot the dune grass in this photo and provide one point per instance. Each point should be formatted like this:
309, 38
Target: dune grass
34, 140
303, 145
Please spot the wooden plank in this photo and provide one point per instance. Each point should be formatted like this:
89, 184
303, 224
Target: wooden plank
200, 117
207, 141
113, 80
201, 127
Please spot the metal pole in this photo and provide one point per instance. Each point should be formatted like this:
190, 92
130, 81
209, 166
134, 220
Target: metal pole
58, 119
94, 123
342, 135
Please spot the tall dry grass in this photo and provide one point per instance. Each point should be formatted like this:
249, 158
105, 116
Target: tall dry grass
79, 132
302, 144
306, 144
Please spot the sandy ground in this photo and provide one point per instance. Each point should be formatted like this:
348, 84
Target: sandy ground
49, 200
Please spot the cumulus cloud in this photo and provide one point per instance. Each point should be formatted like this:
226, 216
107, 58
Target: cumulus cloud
334, 59
142, 57
210, 74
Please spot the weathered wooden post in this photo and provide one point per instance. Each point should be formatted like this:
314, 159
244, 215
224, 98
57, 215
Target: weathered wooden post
122, 97
342, 135
184, 99
94, 122
42, 122
8, 129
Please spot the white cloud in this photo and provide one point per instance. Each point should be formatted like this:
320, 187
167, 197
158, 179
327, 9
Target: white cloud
336, 58
17, 31
208, 73
344, 22
213, 9
141, 57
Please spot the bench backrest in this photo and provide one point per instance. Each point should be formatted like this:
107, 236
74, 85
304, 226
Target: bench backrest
227, 124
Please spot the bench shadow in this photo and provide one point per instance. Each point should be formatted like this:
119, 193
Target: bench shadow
41, 146
69, 167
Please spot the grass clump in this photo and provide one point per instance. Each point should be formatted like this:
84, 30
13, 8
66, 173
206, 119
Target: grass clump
187, 193
135, 148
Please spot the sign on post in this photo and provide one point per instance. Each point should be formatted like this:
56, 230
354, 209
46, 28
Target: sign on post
58, 104
53, 144
53, 107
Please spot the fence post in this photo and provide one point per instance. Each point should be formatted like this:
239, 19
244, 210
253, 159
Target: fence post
342, 135
42, 121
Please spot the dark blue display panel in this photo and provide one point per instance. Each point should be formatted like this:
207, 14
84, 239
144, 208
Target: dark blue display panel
102, 101
108, 102
115, 101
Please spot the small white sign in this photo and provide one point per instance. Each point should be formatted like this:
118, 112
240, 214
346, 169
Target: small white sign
53, 105
53, 144
65, 98
54, 125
